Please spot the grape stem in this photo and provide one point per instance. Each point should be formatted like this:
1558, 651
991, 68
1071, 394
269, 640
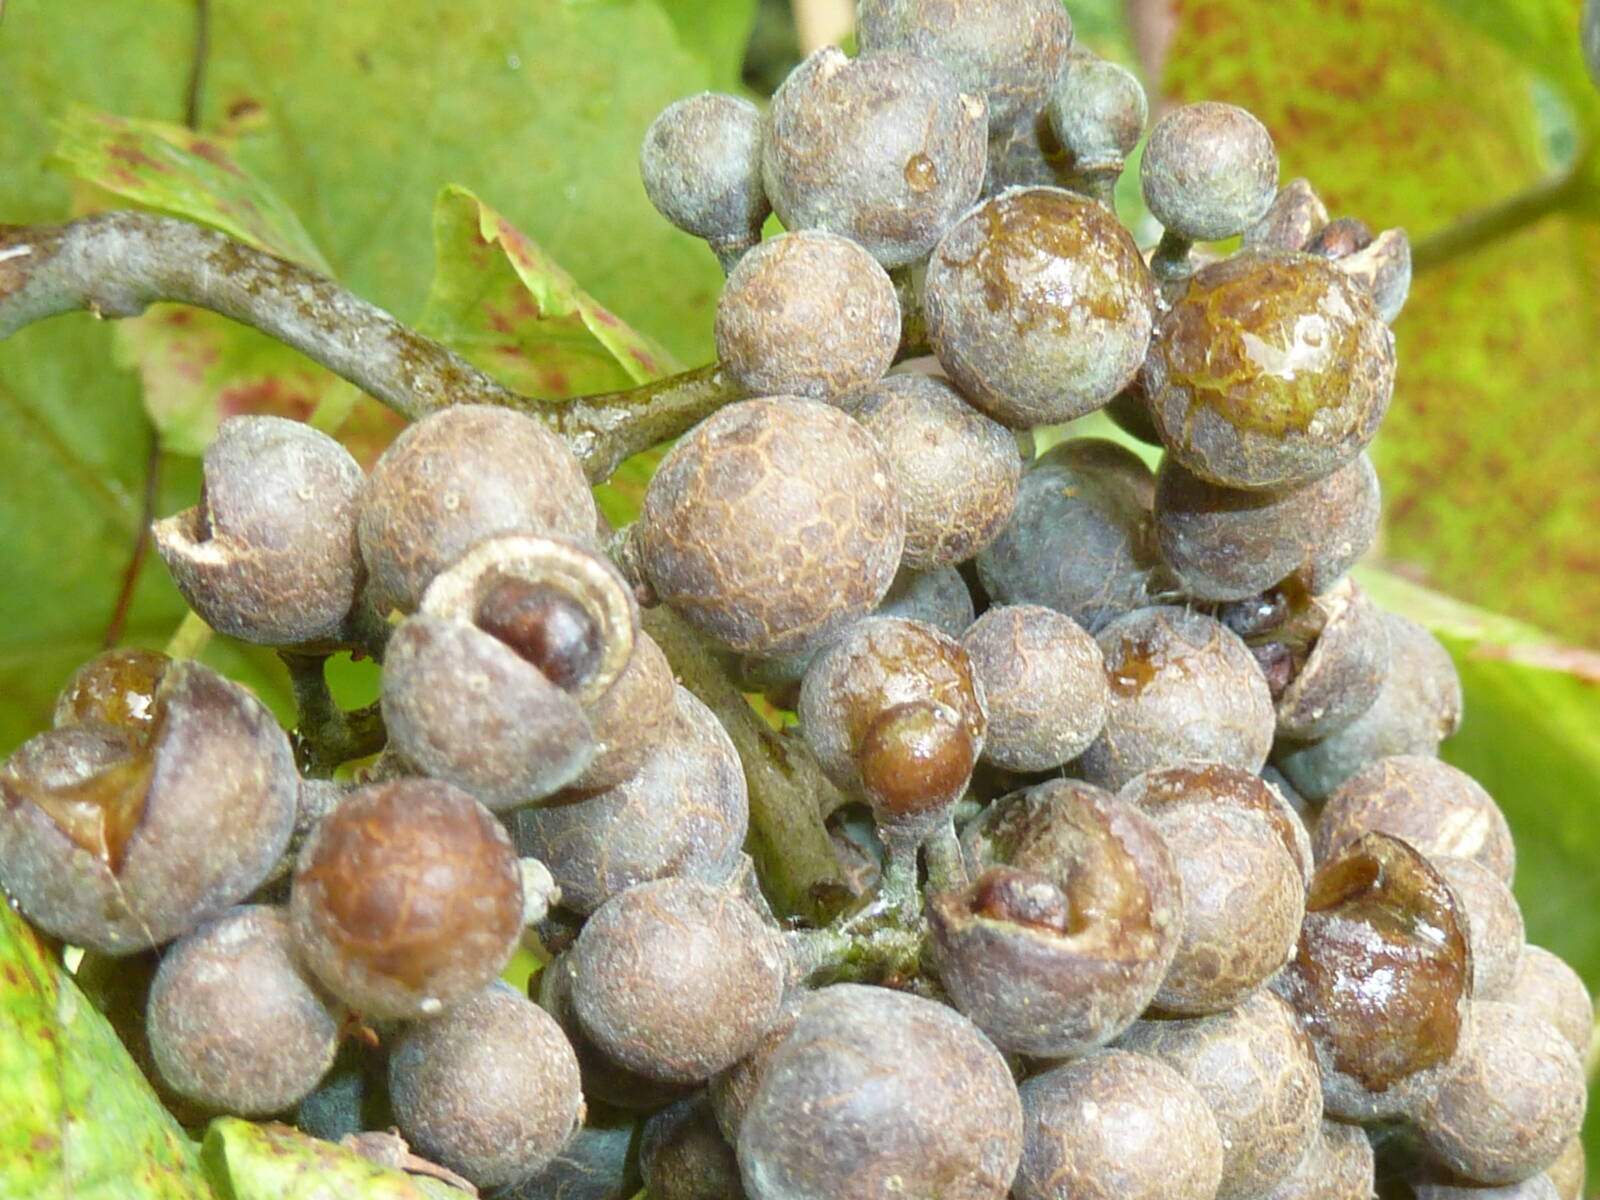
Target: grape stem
1500, 220
327, 736
115, 264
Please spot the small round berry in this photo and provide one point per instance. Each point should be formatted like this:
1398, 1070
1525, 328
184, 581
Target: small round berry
1097, 111
939, 597
489, 1089
1549, 988
677, 979
1209, 171
1011, 52
683, 813
701, 166
943, 1113
1513, 1097
1271, 370
772, 525
1293, 218
1182, 687
1256, 1072
1044, 682
1117, 1124
1494, 924
957, 471
456, 477
1339, 1166
270, 553
116, 687
406, 898
883, 149
631, 719
808, 314
683, 1155
234, 1023
1039, 306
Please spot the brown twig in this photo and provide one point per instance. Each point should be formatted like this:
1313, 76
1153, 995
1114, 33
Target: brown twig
115, 264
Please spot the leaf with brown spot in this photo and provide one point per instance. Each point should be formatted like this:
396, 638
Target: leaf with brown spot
505, 305
80, 1121
274, 1162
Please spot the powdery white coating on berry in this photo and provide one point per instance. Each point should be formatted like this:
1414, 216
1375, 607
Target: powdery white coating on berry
1512, 1099
468, 709
234, 1023
772, 525
456, 477
1039, 306
701, 167
877, 1093
1494, 924
957, 470
807, 314
879, 664
1547, 986
1255, 1070
1435, 807
1270, 370
489, 1089
1120, 1125
1182, 687
205, 811
884, 149
1226, 544
684, 813
1044, 680
1098, 112
270, 554
1338, 1166
1078, 540
1418, 706
677, 979
1012, 52
1209, 171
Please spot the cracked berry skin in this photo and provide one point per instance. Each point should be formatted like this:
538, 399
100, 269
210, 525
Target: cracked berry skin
808, 314
772, 525
1012, 52
884, 149
1271, 370
1039, 306
406, 898
873, 1086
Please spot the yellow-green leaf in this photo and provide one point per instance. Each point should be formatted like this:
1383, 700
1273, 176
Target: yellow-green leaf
274, 1162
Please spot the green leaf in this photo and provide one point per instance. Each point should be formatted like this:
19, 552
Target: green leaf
1543, 35
1486, 455
716, 30
503, 304
274, 1162
80, 1121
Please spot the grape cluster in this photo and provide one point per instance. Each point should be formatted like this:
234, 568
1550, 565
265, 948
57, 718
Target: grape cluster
1186, 905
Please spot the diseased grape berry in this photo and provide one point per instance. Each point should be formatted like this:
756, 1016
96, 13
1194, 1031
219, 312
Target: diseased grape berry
1209, 171
1079, 540
118, 837
1011, 52
456, 477
808, 314
1549, 988
234, 1022
1271, 370
957, 471
939, 597
270, 553
1536, 1187
632, 718
1494, 923
115, 687
701, 167
683, 813
683, 1155
489, 1089
1182, 687
596, 1163
1069, 925
1254, 1068
772, 525
943, 1114
1338, 1166
1097, 113
1294, 217
676, 979
1044, 683
406, 898
1039, 306
1225, 544
1117, 1124
884, 149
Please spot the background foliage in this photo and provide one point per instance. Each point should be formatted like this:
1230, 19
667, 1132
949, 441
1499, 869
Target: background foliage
444, 163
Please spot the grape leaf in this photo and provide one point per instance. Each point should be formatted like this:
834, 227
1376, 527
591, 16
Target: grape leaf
717, 31
274, 1162
81, 1122
1487, 453
503, 304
